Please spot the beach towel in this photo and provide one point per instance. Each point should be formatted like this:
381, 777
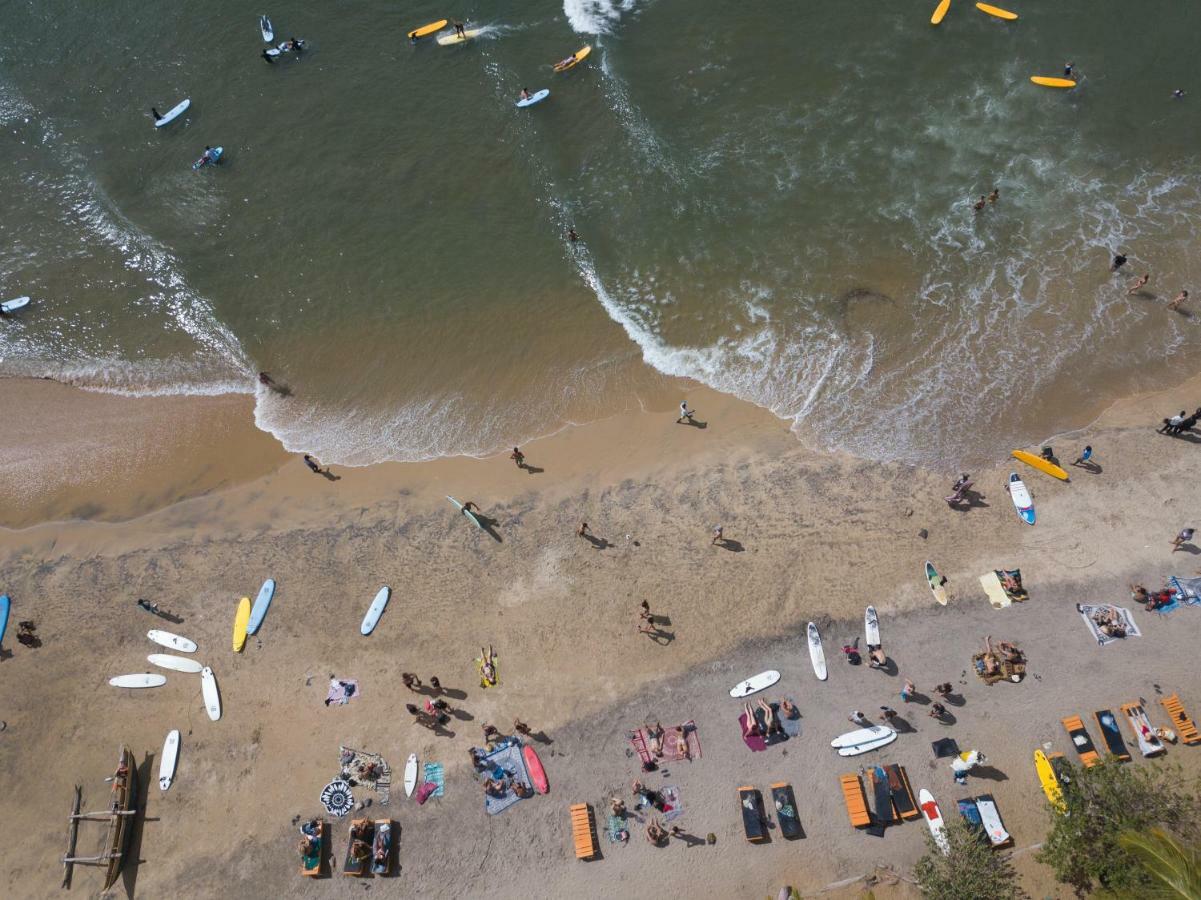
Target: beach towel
355, 765
1019, 594
1187, 590
337, 798
996, 594
944, 747
341, 692
792, 727
641, 742
672, 807
423, 792
754, 741
484, 682
433, 775
1086, 613
616, 830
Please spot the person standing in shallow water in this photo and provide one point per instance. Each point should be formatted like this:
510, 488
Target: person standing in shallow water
518, 457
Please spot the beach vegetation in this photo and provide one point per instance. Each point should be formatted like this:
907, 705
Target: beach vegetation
1174, 866
1091, 847
970, 869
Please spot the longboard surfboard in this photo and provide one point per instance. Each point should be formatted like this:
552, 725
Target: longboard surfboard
265, 28
533, 765
933, 816
5, 606
468, 513
139, 680
449, 40
166, 768
997, 12
428, 29
755, 683
868, 735
175, 663
212, 697
1020, 496
940, 12
868, 747
241, 620
1044, 465
261, 603
934, 580
171, 641
1049, 780
16, 303
375, 610
871, 626
574, 60
173, 113
536, 97
817, 655
1051, 83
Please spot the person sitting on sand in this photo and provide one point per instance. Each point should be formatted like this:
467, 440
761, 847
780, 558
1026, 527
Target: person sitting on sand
943, 689
655, 833
858, 718
851, 651
495, 788
308, 845
1139, 594
750, 725
617, 807
1009, 652
876, 656
937, 711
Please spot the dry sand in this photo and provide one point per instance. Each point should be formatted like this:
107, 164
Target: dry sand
812, 537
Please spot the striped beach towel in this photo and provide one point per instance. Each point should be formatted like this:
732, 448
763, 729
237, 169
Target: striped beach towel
434, 775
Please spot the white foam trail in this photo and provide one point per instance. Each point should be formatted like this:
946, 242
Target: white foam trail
595, 16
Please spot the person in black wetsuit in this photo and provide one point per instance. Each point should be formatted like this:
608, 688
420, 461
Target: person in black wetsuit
267, 56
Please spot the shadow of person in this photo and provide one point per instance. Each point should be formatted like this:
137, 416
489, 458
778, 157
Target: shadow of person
947, 718
955, 699
462, 715
730, 544
488, 524
541, 737
1091, 467
169, 617
989, 773
901, 725
533, 470
330, 476
697, 423
659, 636
282, 389
919, 698
454, 693
598, 543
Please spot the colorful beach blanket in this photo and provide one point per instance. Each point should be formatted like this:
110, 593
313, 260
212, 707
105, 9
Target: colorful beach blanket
616, 830
692, 743
367, 768
672, 807
1086, 613
433, 774
1187, 590
341, 692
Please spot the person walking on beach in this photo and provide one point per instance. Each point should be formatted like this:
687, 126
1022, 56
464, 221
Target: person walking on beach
943, 689
411, 681
1085, 456
686, 414
1119, 259
717, 536
1177, 300
644, 613
148, 606
582, 531
908, 689
1138, 284
518, 457
519, 727
1186, 535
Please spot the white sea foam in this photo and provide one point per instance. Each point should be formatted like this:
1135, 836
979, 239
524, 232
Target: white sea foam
595, 16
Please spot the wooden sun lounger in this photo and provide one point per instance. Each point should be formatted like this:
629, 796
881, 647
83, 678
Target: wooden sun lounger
582, 831
856, 802
1081, 741
754, 822
315, 871
902, 792
1185, 729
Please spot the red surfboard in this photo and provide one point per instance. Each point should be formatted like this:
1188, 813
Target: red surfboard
534, 766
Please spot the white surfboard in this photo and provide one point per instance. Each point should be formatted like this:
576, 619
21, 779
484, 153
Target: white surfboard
173, 113
259, 610
1021, 498
449, 40
862, 736
536, 97
212, 698
166, 768
171, 641
14, 304
933, 817
856, 749
755, 683
143, 680
376, 610
267, 30
178, 663
991, 819
816, 654
871, 627
410, 774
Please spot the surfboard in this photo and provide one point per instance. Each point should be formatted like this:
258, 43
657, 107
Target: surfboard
166, 768
5, 606
212, 697
173, 113
1022, 501
241, 619
755, 683
574, 60
410, 774
871, 626
817, 655
172, 641
933, 816
1050, 782
533, 765
428, 29
991, 819
997, 11
261, 602
266, 29
937, 588
536, 97
940, 12
375, 610
868, 735
468, 513
1052, 83
869, 746
21, 302
176, 663
447, 40
1030, 459
142, 680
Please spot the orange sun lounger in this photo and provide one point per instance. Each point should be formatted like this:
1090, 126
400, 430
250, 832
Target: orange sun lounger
1185, 729
852, 795
1081, 741
582, 831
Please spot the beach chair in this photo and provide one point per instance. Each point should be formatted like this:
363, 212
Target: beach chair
786, 812
882, 797
1081, 741
856, 802
1185, 729
582, 831
311, 865
902, 792
1149, 743
360, 830
383, 841
1108, 723
754, 823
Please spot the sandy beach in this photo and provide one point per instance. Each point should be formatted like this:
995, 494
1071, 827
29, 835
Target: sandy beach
809, 537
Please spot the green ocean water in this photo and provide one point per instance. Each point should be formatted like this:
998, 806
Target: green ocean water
773, 199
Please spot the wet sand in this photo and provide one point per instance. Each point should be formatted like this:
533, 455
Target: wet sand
810, 537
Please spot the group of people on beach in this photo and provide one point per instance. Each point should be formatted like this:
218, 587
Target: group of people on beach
1180, 423
1139, 283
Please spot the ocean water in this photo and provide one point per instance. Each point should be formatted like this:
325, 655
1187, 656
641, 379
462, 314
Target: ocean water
773, 199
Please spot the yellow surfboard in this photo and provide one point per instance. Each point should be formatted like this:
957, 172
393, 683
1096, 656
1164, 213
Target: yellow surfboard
1053, 82
574, 60
1046, 776
241, 620
1041, 464
940, 12
428, 29
997, 11
449, 39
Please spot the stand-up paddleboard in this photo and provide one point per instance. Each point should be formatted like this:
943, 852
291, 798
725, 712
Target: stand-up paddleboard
209, 158
166, 768
13, 305
533, 765
171, 641
940, 12
1051, 83
817, 655
871, 627
208, 689
868, 747
410, 774
933, 816
375, 610
1043, 465
997, 12
143, 680
5, 606
755, 683
869, 735
574, 60
937, 588
241, 620
1022, 501
536, 97
261, 602
175, 663
1049, 780
266, 29
173, 113
468, 513
991, 819
447, 40
427, 29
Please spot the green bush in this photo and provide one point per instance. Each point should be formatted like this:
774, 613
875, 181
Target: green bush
970, 871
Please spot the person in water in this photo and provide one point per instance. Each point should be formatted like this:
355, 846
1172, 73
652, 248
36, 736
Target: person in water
295, 45
460, 30
995, 195
1137, 285
525, 93
1069, 70
1177, 300
154, 112
572, 236
1119, 260
267, 56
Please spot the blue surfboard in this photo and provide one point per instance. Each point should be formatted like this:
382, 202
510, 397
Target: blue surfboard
4, 605
536, 97
259, 610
